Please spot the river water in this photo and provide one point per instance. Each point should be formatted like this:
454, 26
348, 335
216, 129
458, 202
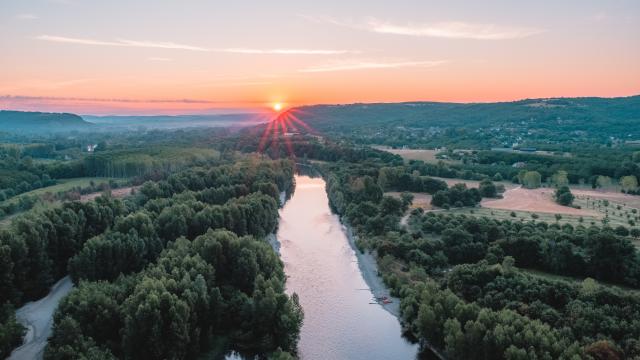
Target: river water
340, 320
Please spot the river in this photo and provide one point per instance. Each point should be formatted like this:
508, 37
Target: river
342, 319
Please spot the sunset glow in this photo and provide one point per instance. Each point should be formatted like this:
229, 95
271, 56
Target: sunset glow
116, 57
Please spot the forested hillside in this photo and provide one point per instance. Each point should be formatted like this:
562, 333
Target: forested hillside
19, 121
480, 125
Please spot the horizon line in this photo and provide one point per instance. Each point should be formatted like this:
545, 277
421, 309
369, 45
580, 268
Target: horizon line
252, 109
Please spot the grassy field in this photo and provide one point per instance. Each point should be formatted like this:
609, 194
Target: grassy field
62, 186
550, 276
420, 200
428, 156
68, 184
501, 214
617, 217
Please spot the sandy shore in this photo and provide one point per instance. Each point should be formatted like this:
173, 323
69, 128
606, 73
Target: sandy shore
37, 317
369, 269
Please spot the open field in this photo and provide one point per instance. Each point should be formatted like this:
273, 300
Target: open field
66, 185
62, 186
533, 200
520, 204
537, 152
426, 155
474, 183
551, 276
524, 215
420, 200
116, 193
540, 201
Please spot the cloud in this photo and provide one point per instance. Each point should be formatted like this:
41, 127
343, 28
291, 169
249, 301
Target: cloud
361, 65
177, 46
163, 59
448, 29
27, 16
22, 98
121, 42
287, 51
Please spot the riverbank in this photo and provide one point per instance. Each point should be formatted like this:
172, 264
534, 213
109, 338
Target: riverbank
272, 239
369, 269
37, 317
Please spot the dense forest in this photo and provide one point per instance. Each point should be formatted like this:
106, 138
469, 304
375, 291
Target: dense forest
475, 287
188, 248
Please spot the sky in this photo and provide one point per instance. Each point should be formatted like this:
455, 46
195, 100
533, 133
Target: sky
211, 56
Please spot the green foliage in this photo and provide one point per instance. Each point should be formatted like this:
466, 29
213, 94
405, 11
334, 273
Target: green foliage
10, 331
457, 196
531, 180
176, 302
216, 285
473, 126
629, 183
479, 309
564, 196
560, 178
488, 189
142, 161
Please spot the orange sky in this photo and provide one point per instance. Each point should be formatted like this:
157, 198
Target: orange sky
118, 57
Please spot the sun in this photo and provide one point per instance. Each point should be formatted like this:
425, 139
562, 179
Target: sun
277, 106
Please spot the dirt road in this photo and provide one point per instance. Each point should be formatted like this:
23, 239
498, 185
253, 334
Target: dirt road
37, 317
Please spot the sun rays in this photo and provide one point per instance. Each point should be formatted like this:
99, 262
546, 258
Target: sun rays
284, 127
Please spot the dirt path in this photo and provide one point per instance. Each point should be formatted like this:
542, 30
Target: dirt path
37, 317
533, 200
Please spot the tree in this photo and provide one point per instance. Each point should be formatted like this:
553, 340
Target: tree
603, 350
603, 181
629, 183
610, 256
531, 180
564, 196
488, 189
560, 178
391, 206
11, 331
407, 199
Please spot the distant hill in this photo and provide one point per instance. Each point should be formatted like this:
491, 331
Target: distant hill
556, 119
19, 121
178, 121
